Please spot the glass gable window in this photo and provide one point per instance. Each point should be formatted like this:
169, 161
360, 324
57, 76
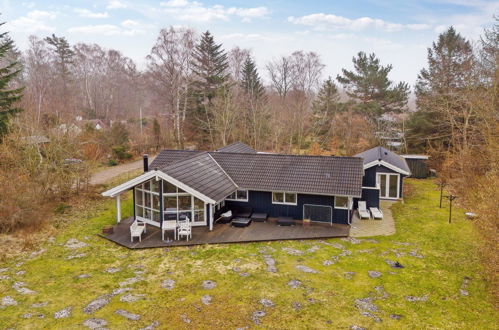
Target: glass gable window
238, 195
178, 204
284, 198
147, 205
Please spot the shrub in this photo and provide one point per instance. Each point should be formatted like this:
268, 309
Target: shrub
112, 162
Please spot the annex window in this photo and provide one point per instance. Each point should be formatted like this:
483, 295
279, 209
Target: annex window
341, 202
147, 201
279, 197
238, 195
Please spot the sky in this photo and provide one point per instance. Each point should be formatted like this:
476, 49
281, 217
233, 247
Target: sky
399, 32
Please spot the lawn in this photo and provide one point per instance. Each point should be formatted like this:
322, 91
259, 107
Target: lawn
442, 284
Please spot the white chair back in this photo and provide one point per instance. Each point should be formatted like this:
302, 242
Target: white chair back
362, 206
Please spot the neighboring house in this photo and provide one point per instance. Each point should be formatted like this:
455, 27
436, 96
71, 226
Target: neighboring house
418, 165
384, 174
199, 183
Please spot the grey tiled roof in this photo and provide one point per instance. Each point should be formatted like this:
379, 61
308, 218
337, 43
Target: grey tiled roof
167, 157
238, 147
306, 174
380, 153
202, 173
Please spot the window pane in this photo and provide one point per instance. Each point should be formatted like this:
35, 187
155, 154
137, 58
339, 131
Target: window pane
147, 199
155, 186
242, 194
199, 204
290, 198
340, 201
278, 197
180, 191
232, 196
147, 214
184, 202
393, 186
199, 216
155, 202
168, 188
155, 216
382, 188
147, 186
138, 197
170, 203
139, 211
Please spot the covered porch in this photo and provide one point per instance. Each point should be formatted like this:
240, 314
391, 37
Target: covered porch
225, 233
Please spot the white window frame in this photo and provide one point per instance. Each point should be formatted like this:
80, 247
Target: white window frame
387, 188
349, 203
147, 194
192, 210
238, 199
284, 198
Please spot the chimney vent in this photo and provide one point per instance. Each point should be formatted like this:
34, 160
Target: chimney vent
146, 163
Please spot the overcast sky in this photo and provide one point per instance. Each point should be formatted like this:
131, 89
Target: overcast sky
397, 31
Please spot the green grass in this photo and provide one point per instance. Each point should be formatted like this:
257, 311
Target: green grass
451, 252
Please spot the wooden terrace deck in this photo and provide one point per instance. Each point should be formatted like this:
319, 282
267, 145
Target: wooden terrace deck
225, 233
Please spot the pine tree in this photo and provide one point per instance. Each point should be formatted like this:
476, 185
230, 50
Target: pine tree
368, 83
250, 81
9, 69
450, 70
210, 66
64, 55
324, 108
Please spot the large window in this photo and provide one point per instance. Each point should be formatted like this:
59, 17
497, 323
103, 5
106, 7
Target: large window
178, 204
284, 198
342, 202
238, 195
147, 201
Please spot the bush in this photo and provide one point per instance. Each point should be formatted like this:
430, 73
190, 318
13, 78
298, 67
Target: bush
112, 162
61, 208
121, 152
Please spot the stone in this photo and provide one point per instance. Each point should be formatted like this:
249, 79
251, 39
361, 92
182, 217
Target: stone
354, 240
73, 243
414, 298
63, 313
292, 252
132, 297
4, 277
21, 289
345, 253
95, 323
368, 314
463, 292
83, 276
130, 281
366, 304
373, 274
236, 269
3, 270
113, 270
208, 285
151, 326
266, 302
271, 267
296, 305
370, 240
313, 249
328, 262
119, 291
244, 274
395, 316
37, 253
8, 301
185, 318
21, 273
256, 316
294, 284
306, 269
27, 316
168, 284
349, 275
381, 291
128, 315
206, 299
356, 327
39, 305
414, 253
97, 304
76, 256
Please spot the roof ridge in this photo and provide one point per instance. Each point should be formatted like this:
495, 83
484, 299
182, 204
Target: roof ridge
184, 159
283, 155
223, 170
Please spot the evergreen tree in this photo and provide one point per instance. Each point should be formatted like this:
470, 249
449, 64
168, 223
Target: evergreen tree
368, 83
64, 55
324, 108
250, 81
9, 69
450, 70
210, 64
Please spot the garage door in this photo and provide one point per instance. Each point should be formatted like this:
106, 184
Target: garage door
320, 213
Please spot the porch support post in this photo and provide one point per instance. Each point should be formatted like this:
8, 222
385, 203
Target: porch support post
211, 216
118, 208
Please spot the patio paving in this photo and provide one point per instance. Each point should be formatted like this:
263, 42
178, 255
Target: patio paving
225, 233
371, 227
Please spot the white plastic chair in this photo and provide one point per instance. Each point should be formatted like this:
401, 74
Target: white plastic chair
169, 225
184, 229
136, 230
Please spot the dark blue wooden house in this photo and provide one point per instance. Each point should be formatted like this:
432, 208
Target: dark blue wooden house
199, 184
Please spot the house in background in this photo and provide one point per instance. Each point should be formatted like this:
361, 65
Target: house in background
418, 165
200, 184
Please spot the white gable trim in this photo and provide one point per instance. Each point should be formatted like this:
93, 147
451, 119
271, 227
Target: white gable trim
155, 174
387, 165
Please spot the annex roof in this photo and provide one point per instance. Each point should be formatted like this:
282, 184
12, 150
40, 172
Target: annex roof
237, 147
385, 157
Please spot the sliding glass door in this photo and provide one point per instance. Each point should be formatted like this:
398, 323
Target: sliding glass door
388, 185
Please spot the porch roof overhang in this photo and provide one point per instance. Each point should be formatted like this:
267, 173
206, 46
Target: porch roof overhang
387, 165
113, 192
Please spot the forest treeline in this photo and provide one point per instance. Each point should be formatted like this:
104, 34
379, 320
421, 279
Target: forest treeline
63, 106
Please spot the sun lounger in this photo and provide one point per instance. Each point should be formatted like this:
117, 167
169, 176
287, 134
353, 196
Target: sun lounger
363, 212
376, 213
